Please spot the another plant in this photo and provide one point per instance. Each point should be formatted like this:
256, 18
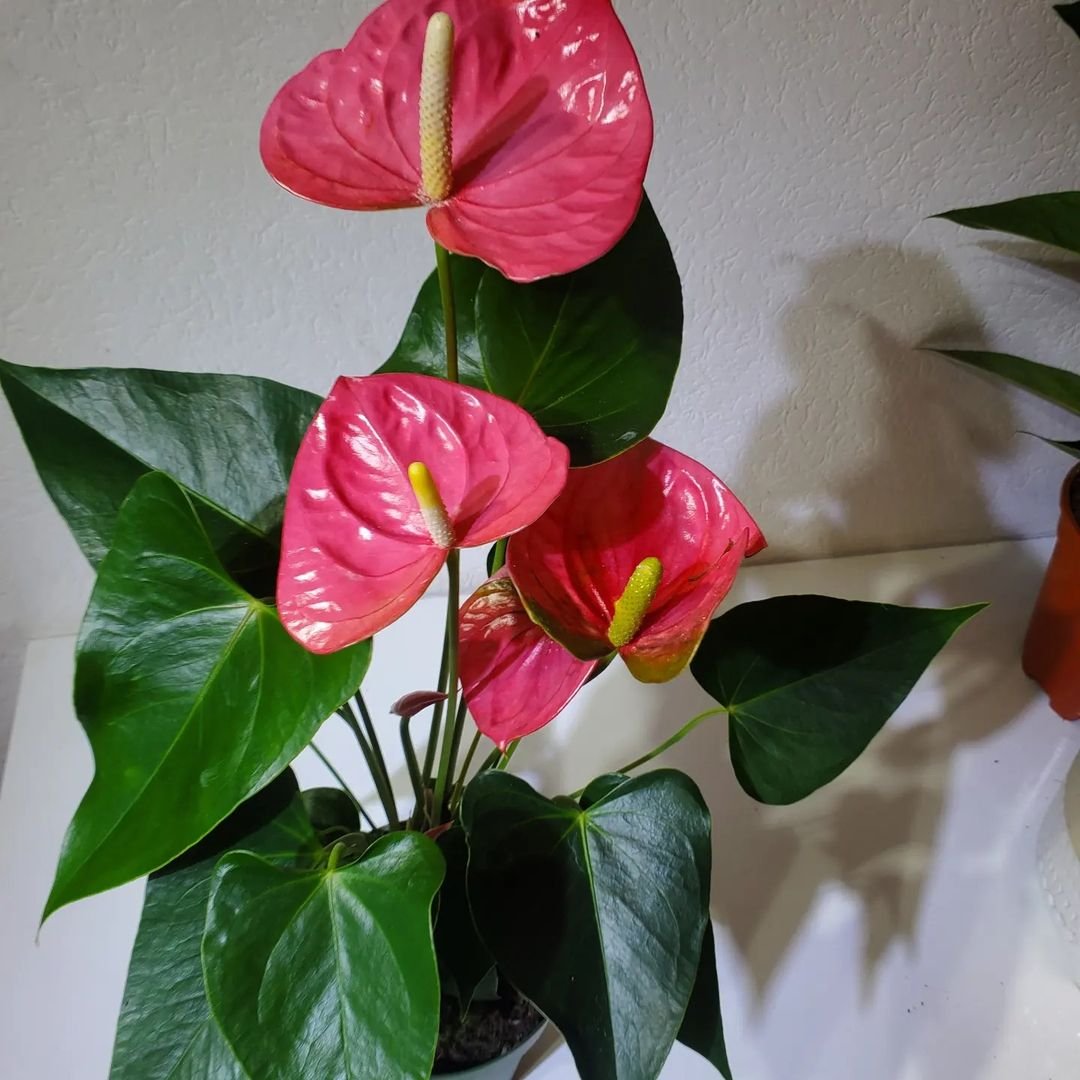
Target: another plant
1052, 219
291, 934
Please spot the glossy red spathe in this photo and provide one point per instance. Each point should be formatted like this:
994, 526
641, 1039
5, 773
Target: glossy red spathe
357, 551
514, 677
552, 129
573, 564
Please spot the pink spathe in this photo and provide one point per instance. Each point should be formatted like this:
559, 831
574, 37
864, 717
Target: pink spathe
356, 551
552, 129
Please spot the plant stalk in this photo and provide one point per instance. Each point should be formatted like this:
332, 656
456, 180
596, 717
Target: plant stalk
382, 782
344, 787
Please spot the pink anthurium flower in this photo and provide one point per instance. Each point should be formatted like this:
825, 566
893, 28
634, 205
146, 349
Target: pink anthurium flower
514, 677
394, 471
522, 124
635, 556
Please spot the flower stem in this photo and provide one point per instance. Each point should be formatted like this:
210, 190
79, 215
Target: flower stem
451, 733
380, 761
410, 761
504, 759
437, 712
463, 776
341, 781
446, 292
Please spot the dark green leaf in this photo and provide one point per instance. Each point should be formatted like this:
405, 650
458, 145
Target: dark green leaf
331, 812
702, 1028
600, 788
1054, 384
808, 681
191, 693
1071, 14
165, 1029
92, 432
1049, 219
327, 974
464, 961
597, 914
422, 348
592, 354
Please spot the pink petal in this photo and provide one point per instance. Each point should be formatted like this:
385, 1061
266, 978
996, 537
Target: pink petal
514, 677
552, 129
356, 553
573, 563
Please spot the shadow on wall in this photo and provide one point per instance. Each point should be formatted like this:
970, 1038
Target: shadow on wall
855, 330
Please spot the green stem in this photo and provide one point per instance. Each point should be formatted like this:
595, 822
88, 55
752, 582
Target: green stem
436, 716
380, 761
667, 744
463, 776
410, 762
451, 734
509, 753
498, 561
491, 760
341, 781
382, 784
446, 292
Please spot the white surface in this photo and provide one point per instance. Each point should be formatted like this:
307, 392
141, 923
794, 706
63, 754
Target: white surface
891, 927
800, 147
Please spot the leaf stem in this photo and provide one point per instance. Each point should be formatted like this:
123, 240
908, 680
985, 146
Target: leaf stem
382, 783
436, 716
341, 781
380, 761
667, 744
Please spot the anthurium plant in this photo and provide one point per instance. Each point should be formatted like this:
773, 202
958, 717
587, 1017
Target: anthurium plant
251, 540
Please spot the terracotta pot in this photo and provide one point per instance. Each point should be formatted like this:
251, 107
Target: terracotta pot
1052, 647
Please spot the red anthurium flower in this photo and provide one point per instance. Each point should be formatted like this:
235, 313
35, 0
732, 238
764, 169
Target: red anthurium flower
394, 471
523, 125
514, 677
635, 555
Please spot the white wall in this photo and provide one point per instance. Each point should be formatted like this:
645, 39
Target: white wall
801, 146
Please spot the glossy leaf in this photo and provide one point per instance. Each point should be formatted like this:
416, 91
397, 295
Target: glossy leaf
358, 548
515, 679
332, 813
165, 1029
596, 915
1071, 14
1049, 219
703, 1027
552, 129
572, 565
808, 681
464, 961
591, 355
92, 432
191, 693
327, 973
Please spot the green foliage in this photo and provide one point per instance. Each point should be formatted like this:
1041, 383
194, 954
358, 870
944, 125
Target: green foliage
165, 1029
192, 695
592, 354
327, 973
808, 681
596, 914
703, 1028
1049, 219
228, 440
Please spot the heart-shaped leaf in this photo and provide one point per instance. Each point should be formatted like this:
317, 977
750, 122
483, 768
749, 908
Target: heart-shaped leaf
702, 1027
1049, 219
165, 1029
191, 692
592, 354
596, 914
327, 973
808, 681
92, 432
464, 960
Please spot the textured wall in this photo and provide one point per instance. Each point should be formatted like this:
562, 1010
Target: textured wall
800, 146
